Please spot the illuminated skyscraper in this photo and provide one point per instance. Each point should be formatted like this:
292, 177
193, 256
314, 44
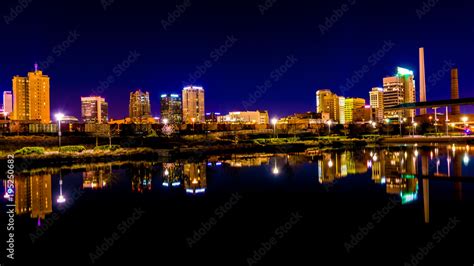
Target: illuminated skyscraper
31, 100
341, 112
398, 90
376, 103
7, 102
171, 108
193, 105
328, 102
139, 108
352, 104
95, 110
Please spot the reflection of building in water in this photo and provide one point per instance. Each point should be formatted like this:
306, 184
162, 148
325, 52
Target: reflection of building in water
97, 178
195, 180
339, 165
402, 185
33, 195
248, 161
398, 171
172, 174
332, 167
356, 164
141, 177
378, 172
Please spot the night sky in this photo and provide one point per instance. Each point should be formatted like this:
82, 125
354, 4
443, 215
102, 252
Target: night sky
163, 52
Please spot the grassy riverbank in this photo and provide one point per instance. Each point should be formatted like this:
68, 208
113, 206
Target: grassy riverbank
42, 152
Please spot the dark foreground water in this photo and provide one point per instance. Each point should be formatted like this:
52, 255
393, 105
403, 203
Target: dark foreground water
364, 207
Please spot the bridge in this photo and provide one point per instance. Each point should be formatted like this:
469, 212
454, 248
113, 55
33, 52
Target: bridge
431, 104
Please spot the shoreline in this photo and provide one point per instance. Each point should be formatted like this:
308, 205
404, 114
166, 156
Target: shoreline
199, 150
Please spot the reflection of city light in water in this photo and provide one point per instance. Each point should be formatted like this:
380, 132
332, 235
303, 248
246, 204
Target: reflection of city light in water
466, 159
275, 169
369, 164
330, 163
167, 172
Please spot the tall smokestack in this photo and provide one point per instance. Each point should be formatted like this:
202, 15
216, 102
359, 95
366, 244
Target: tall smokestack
422, 79
455, 110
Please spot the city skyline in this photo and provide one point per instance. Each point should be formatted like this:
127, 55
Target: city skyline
315, 58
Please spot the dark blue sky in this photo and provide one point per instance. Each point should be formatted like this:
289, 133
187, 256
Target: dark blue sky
105, 38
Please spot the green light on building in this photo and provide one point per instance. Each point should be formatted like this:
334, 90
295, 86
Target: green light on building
407, 176
404, 72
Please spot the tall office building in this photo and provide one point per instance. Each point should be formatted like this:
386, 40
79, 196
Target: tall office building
328, 102
139, 108
171, 108
350, 106
95, 110
341, 112
7, 102
398, 90
193, 105
376, 104
31, 100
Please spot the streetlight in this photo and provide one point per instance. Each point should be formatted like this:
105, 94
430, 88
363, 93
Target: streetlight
194, 121
165, 121
59, 117
401, 122
415, 124
274, 123
329, 126
465, 119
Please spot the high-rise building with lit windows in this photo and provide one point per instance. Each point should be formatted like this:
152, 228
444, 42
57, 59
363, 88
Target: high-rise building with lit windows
171, 108
31, 98
95, 110
193, 105
328, 102
7, 102
351, 105
139, 107
399, 89
376, 104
